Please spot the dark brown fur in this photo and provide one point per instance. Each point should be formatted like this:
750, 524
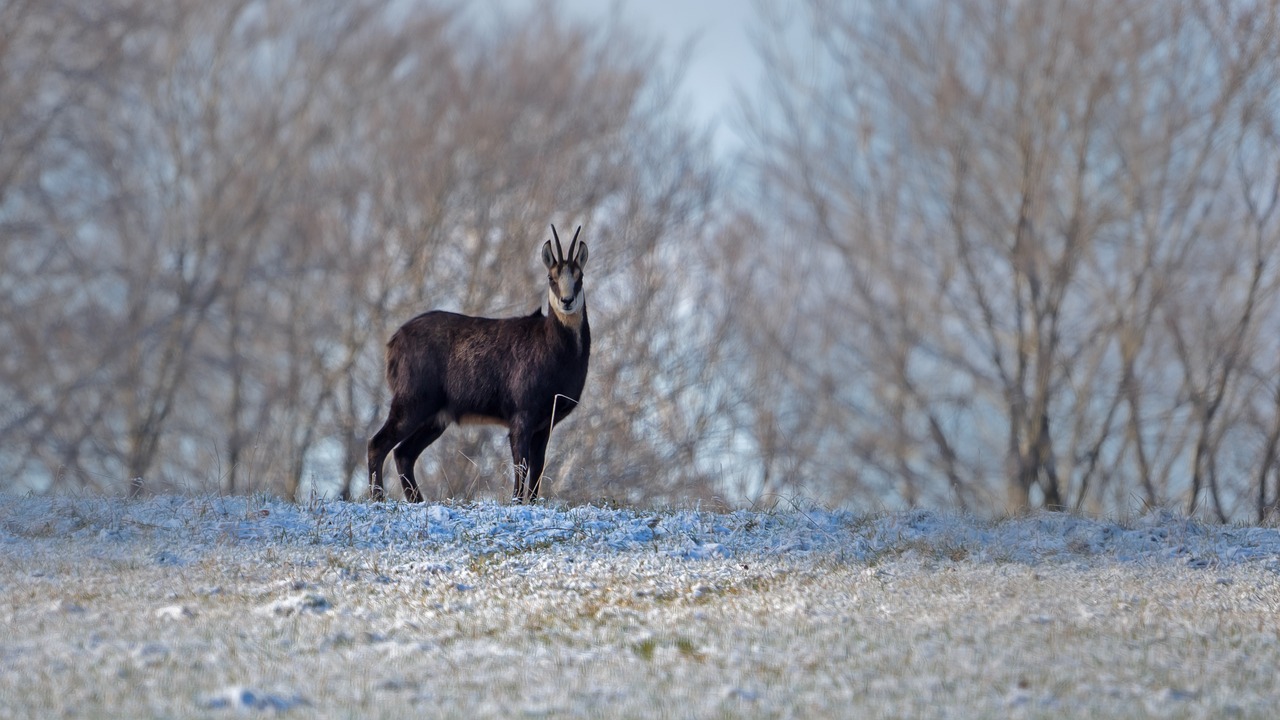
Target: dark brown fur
443, 368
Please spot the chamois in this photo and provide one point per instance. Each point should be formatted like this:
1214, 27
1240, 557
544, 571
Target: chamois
523, 373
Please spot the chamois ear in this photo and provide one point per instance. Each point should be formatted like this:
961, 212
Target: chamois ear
582, 254
548, 255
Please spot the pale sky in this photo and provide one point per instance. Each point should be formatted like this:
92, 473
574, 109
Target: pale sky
722, 59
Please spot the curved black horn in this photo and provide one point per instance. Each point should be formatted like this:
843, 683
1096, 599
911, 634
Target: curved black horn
559, 250
574, 243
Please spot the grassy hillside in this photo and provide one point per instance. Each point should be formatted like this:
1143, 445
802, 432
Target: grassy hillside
181, 607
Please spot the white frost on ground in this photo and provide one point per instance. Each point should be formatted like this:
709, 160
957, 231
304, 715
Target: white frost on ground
184, 525
175, 606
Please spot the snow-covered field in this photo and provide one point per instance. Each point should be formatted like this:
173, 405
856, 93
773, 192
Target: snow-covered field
226, 607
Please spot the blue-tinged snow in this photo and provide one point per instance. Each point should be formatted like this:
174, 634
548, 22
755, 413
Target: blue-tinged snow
188, 524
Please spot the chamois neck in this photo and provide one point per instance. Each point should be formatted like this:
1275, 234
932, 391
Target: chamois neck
573, 321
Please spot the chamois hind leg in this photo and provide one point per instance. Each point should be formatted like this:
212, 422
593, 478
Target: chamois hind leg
397, 427
406, 454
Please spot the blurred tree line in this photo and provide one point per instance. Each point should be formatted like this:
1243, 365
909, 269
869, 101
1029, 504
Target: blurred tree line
215, 214
985, 254
1022, 254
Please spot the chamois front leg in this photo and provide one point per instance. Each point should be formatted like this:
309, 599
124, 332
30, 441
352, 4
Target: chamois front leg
521, 440
537, 461
529, 455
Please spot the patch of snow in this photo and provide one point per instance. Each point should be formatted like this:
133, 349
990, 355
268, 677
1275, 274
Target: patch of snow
702, 551
236, 697
174, 612
307, 602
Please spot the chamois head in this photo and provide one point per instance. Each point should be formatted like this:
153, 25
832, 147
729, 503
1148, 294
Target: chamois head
564, 276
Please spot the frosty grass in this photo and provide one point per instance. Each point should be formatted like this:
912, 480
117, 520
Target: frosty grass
227, 607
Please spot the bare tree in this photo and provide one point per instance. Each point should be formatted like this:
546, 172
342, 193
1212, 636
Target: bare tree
1001, 214
225, 208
